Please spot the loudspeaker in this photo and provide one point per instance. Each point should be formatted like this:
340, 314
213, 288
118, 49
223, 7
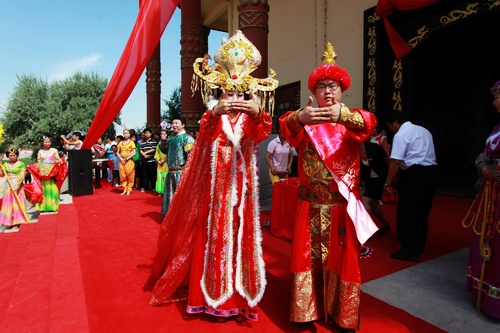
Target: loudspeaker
80, 172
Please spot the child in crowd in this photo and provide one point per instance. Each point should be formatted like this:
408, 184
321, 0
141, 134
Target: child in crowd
116, 162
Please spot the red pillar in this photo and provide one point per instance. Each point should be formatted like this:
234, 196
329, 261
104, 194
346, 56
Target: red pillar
153, 90
193, 45
254, 23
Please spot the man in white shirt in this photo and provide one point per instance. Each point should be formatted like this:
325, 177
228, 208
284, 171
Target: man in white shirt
279, 158
413, 154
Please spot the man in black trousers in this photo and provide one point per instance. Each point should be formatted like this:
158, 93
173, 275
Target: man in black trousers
413, 155
147, 151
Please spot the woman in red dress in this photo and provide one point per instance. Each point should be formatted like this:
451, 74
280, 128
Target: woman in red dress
210, 239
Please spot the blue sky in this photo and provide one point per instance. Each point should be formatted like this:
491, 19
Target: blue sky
52, 39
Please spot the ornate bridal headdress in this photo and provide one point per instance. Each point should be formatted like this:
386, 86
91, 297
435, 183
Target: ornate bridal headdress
234, 61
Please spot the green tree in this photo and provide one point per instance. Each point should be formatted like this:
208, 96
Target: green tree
38, 108
173, 106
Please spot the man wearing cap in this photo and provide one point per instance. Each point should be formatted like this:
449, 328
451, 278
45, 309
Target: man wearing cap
330, 222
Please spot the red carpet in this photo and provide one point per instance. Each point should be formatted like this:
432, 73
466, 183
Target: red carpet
446, 235
78, 271
41, 288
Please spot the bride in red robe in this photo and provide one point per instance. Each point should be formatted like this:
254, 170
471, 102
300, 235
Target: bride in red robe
210, 239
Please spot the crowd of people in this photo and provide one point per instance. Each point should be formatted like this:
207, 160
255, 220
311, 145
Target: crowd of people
209, 248
147, 161
134, 164
46, 178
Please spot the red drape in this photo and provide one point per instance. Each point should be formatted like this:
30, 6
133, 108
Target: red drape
34, 190
151, 21
385, 8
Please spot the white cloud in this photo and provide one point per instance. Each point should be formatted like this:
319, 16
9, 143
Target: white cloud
68, 68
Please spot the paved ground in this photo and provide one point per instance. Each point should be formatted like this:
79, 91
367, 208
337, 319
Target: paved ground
435, 292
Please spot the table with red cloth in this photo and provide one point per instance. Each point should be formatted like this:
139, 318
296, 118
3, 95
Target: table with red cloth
284, 204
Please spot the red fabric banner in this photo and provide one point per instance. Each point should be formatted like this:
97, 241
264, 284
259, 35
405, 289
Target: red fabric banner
34, 190
151, 21
385, 8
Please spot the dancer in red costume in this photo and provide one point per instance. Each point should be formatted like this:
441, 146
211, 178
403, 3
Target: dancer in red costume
331, 221
210, 239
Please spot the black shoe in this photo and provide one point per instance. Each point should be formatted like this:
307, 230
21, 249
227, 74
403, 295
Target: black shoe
404, 256
384, 230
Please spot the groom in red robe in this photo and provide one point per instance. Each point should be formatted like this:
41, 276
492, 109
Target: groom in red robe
331, 222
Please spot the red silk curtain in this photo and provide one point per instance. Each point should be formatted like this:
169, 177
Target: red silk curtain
151, 21
385, 8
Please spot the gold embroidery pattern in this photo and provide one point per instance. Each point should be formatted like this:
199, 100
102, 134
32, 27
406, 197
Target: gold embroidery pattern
307, 287
320, 238
346, 168
320, 193
302, 299
373, 18
421, 34
320, 244
342, 300
313, 166
351, 119
397, 78
493, 3
480, 210
459, 14
222, 204
293, 123
316, 170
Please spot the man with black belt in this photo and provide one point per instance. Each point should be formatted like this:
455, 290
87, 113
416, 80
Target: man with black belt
412, 153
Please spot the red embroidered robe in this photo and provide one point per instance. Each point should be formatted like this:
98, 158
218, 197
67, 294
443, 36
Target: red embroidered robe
325, 276
216, 206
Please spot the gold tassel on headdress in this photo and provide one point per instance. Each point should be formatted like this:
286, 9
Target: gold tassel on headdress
329, 55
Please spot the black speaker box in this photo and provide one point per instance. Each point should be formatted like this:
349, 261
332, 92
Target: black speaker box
80, 172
